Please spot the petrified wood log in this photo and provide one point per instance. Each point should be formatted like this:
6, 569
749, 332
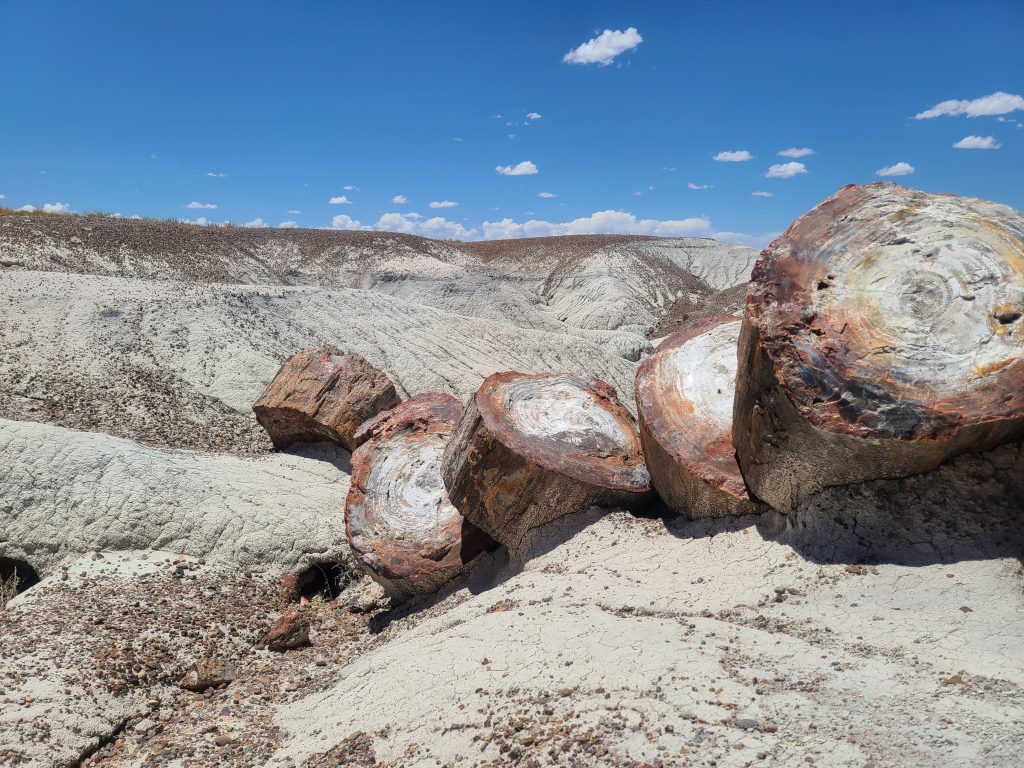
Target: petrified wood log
530, 449
882, 335
684, 394
323, 394
399, 522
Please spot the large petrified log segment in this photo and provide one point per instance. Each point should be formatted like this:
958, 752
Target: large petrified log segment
323, 394
684, 394
530, 449
399, 522
883, 335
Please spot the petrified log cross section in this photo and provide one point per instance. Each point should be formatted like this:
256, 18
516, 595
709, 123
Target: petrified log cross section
883, 334
531, 448
400, 524
684, 398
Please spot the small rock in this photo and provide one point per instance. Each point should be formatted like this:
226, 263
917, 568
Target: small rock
746, 723
208, 673
289, 631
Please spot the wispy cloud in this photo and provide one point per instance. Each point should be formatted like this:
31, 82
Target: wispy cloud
399, 199
411, 223
546, 195
605, 47
442, 204
350, 188
196, 205
601, 222
998, 103
214, 175
796, 152
339, 200
899, 169
691, 185
785, 170
525, 168
257, 222
669, 168
288, 224
977, 142
294, 212
733, 156
760, 193
533, 115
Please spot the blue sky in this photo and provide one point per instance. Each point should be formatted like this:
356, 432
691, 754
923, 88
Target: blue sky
268, 111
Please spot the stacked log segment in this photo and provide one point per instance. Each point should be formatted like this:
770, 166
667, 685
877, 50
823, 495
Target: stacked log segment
684, 400
883, 334
323, 395
399, 521
531, 448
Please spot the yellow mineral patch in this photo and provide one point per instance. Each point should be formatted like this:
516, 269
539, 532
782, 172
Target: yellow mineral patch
984, 369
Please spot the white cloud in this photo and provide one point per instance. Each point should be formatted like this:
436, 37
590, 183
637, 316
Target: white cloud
751, 241
399, 199
998, 103
341, 221
534, 116
257, 222
457, 138
350, 188
733, 156
440, 228
760, 193
55, 208
547, 195
525, 168
786, 170
216, 175
339, 200
2, 197
601, 222
499, 117
796, 152
977, 142
899, 169
638, 194
442, 204
669, 168
293, 211
195, 205
201, 221
605, 47
288, 224
26, 209
691, 185
511, 137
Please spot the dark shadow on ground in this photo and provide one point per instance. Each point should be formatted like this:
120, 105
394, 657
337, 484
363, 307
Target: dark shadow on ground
329, 452
971, 508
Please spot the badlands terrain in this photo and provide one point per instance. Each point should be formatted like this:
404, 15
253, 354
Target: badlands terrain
150, 524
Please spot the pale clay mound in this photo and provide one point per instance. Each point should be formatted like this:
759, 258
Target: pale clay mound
66, 493
879, 624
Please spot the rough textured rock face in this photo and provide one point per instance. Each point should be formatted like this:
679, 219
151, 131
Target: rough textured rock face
684, 400
883, 335
399, 521
64, 494
532, 448
323, 394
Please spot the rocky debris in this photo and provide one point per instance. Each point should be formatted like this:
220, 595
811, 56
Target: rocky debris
208, 673
290, 631
398, 519
883, 335
684, 400
323, 394
67, 494
531, 448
